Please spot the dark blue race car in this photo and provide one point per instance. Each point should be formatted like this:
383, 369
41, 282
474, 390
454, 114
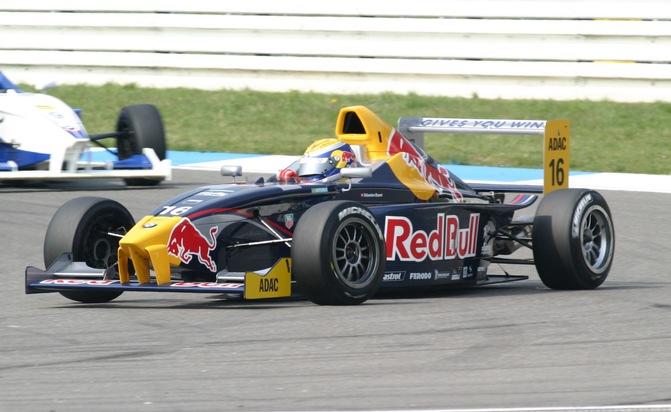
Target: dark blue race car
364, 211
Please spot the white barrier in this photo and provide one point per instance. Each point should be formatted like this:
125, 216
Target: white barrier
561, 49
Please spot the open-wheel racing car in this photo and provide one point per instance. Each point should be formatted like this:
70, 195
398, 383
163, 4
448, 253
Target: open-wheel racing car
366, 211
41, 137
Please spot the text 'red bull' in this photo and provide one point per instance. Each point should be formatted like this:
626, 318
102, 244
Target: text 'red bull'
448, 241
186, 241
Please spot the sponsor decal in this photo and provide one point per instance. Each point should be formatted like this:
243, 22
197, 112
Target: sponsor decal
89, 282
92, 282
274, 284
557, 143
289, 220
393, 276
369, 195
319, 190
420, 276
483, 123
215, 193
208, 285
269, 285
186, 241
345, 212
442, 275
446, 242
575, 226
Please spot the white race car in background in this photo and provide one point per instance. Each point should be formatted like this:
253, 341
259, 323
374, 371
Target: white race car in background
41, 137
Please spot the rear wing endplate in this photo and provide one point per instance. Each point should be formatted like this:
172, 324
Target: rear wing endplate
555, 133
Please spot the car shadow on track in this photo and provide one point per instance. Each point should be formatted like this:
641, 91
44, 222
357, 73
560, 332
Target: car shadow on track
528, 287
384, 297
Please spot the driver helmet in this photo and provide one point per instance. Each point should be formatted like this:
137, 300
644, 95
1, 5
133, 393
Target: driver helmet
324, 158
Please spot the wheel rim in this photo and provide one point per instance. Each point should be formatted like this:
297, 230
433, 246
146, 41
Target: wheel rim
100, 248
597, 239
355, 253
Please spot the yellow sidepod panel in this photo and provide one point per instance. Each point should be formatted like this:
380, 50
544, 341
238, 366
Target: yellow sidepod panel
147, 243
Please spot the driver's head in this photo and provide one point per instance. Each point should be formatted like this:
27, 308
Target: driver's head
324, 158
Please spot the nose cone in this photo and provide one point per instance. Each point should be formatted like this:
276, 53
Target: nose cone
146, 245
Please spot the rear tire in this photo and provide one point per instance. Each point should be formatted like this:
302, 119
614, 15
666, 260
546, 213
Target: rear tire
143, 128
338, 253
573, 239
81, 227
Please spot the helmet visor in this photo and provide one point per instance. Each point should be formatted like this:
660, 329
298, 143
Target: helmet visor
310, 166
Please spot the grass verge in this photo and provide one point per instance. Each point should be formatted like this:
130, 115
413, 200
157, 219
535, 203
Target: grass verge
606, 136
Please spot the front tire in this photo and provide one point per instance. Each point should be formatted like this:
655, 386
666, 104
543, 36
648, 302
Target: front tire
338, 253
573, 239
81, 227
142, 127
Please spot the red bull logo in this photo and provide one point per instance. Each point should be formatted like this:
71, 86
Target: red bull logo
347, 157
446, 242
437, 176
186, 241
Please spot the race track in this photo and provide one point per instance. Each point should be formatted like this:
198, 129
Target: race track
517, 345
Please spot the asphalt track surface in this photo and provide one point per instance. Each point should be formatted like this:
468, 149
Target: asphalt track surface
517, 345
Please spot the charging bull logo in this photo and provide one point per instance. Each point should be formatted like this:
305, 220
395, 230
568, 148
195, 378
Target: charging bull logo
437, 176
186, 242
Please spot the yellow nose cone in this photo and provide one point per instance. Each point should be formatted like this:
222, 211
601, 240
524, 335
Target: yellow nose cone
146, 245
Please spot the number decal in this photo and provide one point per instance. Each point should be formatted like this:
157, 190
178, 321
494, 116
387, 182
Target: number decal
175, 211
557, 171
556, 155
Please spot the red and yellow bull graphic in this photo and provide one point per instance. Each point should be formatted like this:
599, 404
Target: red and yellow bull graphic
436, 175
186, 242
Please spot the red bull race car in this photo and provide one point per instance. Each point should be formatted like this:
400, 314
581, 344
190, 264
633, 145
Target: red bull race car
366, 211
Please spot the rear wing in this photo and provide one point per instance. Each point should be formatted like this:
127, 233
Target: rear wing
555, 133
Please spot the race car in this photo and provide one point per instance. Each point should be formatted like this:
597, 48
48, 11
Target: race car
41, 137
363, 212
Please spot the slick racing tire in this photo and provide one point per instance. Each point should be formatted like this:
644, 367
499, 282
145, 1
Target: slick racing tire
143, 128
82, 226
573, 239
338, 253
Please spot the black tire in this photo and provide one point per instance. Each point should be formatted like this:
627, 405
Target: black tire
143, 127
573, 239
81, 226
338, 253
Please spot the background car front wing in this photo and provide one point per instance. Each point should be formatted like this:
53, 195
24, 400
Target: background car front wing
146, 165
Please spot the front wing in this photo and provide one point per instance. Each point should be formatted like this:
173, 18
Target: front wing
65, 274
147, 165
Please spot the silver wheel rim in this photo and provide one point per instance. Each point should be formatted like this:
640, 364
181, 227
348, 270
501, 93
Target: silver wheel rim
596, 237
354, 253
